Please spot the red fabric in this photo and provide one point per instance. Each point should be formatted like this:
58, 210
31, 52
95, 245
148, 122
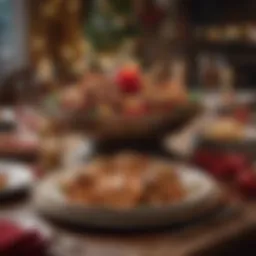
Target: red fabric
9, 234
16, 241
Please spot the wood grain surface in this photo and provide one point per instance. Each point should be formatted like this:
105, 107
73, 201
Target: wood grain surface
195, 240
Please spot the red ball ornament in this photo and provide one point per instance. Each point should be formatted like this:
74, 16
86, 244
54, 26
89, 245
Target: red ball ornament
129, 80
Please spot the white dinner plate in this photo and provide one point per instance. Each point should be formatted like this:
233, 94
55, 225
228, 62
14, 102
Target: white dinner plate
19, 177
203, 195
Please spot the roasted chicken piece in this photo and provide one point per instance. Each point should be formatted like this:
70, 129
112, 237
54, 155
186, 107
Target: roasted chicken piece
124, 181
131, 163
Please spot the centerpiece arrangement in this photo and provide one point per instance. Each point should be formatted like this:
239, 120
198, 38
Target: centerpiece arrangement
122, 102
117, 95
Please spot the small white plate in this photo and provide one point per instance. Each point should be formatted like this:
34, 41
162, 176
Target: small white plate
19, 177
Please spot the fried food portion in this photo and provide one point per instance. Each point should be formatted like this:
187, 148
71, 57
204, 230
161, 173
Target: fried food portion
125, 181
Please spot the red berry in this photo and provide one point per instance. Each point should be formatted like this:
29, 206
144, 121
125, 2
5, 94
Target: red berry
227, 166
223, 166
204, 158
129, 80
247, 183
218, 169
236, 163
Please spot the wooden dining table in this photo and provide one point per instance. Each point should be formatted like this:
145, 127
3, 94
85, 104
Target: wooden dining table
229, 232
222, 234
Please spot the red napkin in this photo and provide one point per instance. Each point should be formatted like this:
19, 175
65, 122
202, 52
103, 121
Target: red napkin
16, 241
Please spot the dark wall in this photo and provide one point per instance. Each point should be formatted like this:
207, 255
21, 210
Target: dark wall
221, 11
242, 54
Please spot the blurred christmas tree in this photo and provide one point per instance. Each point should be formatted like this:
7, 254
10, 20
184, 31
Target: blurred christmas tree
110, 22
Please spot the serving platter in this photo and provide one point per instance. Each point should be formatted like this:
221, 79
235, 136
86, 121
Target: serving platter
120, 127
202, 195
